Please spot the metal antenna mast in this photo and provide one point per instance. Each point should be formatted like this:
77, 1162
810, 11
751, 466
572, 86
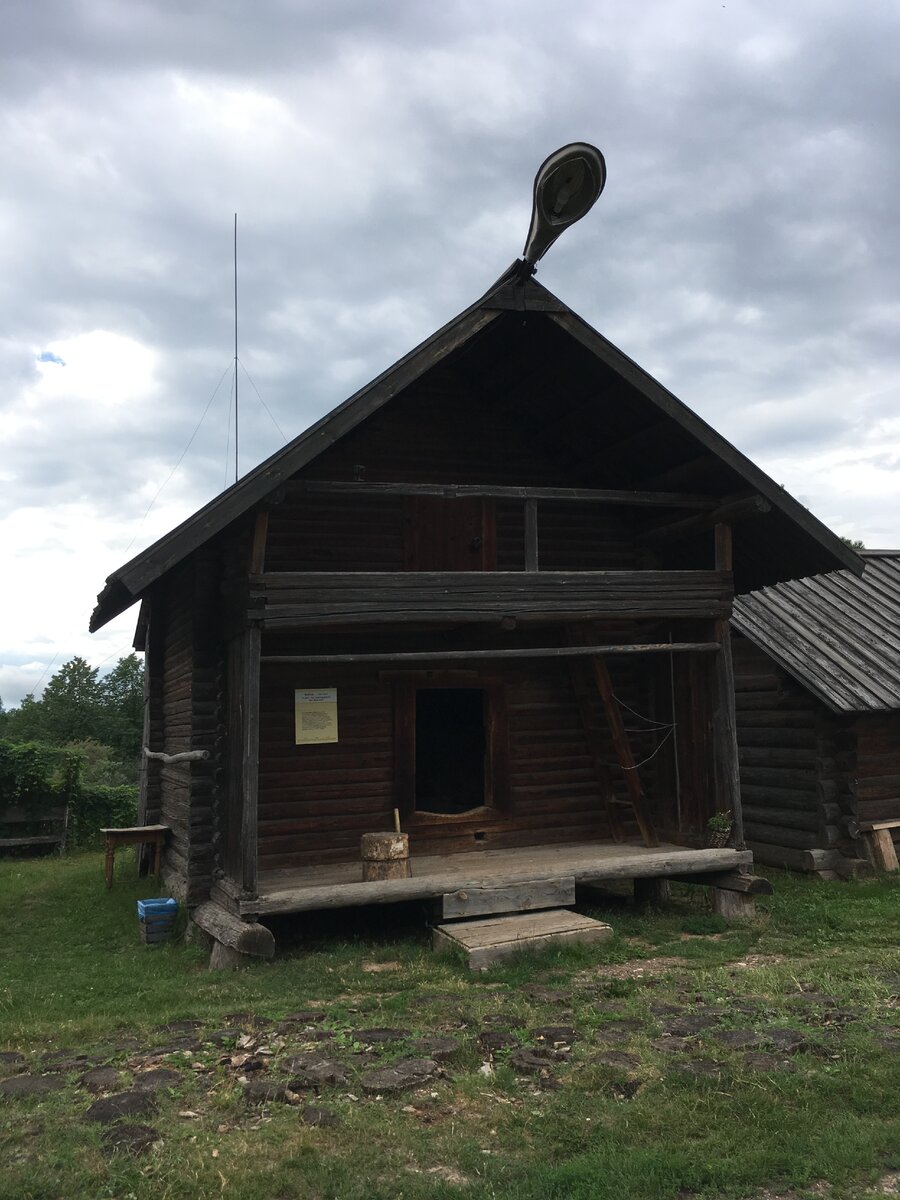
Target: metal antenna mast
235, 355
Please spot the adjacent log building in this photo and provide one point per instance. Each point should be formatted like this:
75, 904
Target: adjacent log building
817, 667
492, 590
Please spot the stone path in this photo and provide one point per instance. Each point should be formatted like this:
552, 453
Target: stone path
312, 1061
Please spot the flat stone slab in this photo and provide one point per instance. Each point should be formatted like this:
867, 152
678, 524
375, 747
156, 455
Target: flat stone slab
101, 1079
266, 1091
492, 939
21, 1087
318, 1073
123, 1104
786, 1041
128, 1138
672, 1045
533, 1062
11, 1058
438, 1048
406, 1073
492, 1040
381, 1037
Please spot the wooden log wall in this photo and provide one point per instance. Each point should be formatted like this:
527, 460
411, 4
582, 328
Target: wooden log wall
189, 716
315, 802
793, 753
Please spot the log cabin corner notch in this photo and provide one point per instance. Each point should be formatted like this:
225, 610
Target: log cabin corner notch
515, 549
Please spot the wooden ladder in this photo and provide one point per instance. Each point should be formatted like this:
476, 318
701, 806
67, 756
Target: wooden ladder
636, 800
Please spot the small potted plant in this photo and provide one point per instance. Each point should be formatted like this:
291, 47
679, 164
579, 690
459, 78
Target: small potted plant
720, 825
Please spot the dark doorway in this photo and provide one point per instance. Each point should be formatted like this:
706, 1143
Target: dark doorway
450, 749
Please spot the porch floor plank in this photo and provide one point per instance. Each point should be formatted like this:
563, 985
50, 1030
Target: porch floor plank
340, 885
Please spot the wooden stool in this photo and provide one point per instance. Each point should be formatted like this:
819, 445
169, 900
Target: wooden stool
136, 835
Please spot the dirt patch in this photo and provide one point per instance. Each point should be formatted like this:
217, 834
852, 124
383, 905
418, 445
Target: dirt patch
751, 961
645, 968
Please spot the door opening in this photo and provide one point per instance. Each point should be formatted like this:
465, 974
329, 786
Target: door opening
450, 750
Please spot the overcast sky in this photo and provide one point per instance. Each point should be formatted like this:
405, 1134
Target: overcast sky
380, 157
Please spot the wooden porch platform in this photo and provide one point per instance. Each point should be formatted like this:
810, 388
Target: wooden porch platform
340, 885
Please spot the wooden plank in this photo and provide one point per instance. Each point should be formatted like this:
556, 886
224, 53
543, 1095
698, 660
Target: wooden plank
883, 851
313, 487
531, 535
532, 652
735, 508
775, 855
753, 885
522, 897
528, 868
258, 546
725, 734
489, 941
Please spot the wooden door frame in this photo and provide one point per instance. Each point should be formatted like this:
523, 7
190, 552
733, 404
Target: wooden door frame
496, 773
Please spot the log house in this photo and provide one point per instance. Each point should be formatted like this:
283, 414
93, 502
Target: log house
511, 560
817, 674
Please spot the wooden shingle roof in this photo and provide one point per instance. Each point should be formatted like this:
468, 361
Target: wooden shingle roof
837, 634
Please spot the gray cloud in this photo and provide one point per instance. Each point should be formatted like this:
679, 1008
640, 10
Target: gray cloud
380, 159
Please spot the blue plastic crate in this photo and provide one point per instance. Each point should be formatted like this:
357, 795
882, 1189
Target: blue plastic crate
155, 909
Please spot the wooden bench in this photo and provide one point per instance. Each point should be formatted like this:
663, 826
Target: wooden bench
52, 823
881, 844
134, 835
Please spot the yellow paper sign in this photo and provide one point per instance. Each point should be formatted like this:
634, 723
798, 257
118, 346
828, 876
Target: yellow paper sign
315, 715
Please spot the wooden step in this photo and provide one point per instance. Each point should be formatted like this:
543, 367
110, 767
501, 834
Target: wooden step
491, 939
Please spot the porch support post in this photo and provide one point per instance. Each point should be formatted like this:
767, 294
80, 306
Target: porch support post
724, 719
249, 854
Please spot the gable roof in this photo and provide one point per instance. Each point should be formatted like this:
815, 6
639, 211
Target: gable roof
810, 544
838, 634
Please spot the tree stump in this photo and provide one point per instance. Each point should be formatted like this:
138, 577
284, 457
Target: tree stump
385, 856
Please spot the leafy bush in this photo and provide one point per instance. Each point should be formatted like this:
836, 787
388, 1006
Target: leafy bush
38, 777
102, 806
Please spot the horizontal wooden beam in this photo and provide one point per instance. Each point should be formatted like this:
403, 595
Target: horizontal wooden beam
737, 508
465, 655
450, 491
729, 881
422, 887
297, 599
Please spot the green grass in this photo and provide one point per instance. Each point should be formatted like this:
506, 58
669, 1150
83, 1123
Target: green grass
74, 977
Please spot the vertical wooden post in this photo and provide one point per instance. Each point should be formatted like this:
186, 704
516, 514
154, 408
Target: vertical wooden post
725, 719
531, 535
250, 762
258, 545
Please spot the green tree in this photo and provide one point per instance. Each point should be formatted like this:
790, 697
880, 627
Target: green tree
25, 723
121, 723
71, 703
